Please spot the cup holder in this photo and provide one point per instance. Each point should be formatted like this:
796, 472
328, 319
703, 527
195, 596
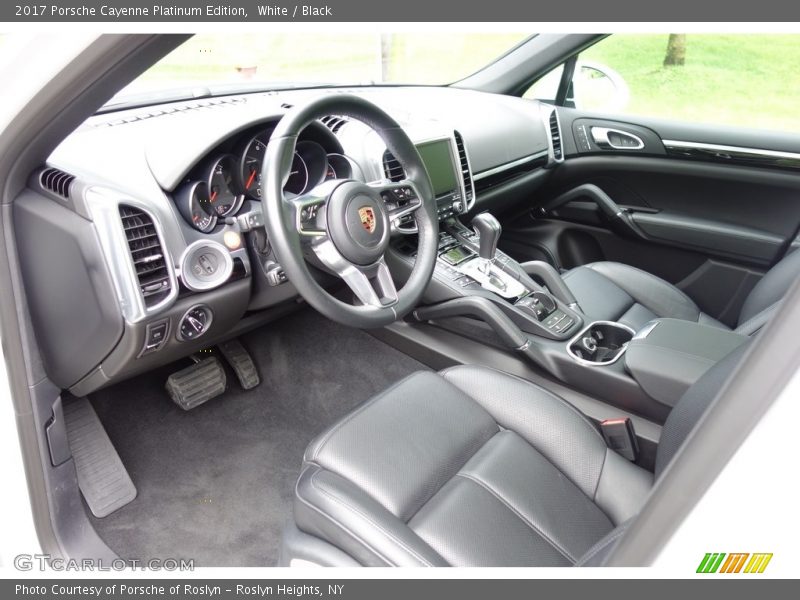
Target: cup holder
600, 343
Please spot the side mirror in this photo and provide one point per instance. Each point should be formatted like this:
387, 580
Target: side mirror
597, 87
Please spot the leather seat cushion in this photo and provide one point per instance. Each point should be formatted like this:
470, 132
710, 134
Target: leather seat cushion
468, 467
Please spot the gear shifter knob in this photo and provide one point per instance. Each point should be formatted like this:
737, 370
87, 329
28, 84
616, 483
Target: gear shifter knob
486, 226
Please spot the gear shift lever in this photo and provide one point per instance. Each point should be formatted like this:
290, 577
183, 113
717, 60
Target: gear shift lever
489, 229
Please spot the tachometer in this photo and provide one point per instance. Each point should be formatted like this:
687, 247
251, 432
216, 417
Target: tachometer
298, 176
223, 193
252, 163
339, 167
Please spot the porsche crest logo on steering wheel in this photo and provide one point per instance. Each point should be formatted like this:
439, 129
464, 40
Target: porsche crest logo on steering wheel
367, 216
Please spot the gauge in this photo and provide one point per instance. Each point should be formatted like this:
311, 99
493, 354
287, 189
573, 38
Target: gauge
314, 157
222, 187
298, 176
252, 164
203, 217
339, 167
195, 205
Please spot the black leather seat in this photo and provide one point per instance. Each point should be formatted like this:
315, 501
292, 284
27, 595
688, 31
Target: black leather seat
610, 291
474, 467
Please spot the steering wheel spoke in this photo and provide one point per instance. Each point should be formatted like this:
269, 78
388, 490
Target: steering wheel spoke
306, 210
372, 284
400, 197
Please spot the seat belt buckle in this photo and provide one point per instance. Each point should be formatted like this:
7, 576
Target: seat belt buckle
621, 437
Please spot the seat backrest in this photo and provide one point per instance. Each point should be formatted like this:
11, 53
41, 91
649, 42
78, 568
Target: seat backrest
772, 287
690, 408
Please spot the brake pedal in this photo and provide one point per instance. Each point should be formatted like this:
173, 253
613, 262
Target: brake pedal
239, 359
197, 384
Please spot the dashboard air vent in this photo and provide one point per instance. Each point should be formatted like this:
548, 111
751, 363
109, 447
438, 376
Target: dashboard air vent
333, 122
555, 136
392, 168
466, 174
56, 181
146, 253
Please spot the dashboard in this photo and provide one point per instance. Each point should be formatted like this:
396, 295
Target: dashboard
154, 223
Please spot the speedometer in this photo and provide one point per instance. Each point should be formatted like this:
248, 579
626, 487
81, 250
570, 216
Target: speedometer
223, 193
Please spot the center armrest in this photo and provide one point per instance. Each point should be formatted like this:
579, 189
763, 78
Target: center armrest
669, 355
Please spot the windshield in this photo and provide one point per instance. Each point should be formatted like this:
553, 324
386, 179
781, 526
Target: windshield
279, 60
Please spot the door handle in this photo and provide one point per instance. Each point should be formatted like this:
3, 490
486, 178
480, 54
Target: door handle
606, 137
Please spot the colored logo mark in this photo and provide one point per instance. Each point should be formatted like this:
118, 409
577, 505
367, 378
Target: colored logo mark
741, 562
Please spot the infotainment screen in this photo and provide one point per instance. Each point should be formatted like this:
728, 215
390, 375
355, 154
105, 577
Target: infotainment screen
438, 159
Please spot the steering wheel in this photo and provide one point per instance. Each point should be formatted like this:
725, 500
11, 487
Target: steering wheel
346, 223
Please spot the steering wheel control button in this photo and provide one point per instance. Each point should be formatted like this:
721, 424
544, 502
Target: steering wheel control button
358, 223
195, 322
205, 265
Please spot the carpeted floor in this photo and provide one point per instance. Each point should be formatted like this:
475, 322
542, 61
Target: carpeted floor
215, 484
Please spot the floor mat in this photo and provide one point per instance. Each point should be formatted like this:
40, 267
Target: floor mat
215, 483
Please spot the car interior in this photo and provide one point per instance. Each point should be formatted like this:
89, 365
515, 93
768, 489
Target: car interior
389, 325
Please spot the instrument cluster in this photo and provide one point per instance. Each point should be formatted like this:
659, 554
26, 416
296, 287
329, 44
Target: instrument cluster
219, 185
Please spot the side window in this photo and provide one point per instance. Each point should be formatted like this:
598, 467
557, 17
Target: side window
723, 79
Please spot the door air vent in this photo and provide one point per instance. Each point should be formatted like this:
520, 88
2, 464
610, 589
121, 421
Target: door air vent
147, 254
466, 174
555, 136
56, 181
392, 168
333, 122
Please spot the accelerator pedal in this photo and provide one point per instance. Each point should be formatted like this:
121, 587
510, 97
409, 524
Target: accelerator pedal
102, 478
196, 384
241, 362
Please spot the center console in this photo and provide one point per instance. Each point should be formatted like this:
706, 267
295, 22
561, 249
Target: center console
668, 355
479, 292
470, 266
482, 293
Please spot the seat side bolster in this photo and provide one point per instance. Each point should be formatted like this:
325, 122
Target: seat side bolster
772, 287
754, 324
622, 489
332, 508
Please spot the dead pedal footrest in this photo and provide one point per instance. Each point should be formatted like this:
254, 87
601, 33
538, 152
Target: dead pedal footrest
196, 384
241, 362
102, 478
